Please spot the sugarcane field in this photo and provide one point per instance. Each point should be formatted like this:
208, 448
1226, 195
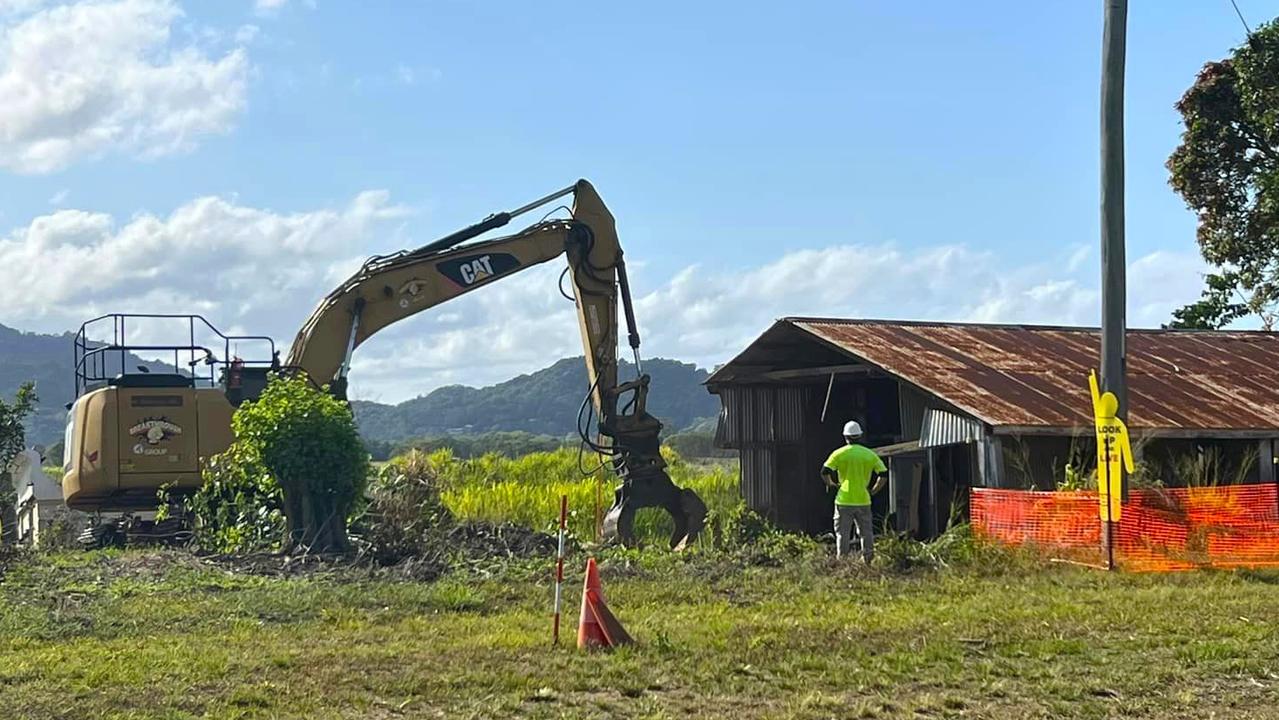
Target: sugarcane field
841, 360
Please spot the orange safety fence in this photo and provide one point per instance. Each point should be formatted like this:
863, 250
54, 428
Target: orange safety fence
1229, 526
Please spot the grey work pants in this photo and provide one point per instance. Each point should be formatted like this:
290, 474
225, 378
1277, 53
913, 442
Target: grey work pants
846, 516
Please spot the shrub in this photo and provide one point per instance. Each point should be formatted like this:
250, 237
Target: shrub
294, 474
63, 531
957, 546
12, 441
240, 507
735, 526
307, 440
405, 516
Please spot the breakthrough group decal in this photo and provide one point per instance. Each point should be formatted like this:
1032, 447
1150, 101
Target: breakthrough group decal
150, 433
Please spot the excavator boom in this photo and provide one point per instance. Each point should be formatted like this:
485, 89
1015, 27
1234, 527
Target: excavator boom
390, 288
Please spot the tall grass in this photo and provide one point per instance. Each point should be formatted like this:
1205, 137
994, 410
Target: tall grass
527, 490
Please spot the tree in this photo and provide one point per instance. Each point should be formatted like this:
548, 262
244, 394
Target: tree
307, 440
1227, 170
13, 439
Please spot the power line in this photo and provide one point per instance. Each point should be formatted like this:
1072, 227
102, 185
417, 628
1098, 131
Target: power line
1240, 14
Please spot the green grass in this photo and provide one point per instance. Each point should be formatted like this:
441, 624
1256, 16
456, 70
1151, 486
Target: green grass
527, 490
162, 635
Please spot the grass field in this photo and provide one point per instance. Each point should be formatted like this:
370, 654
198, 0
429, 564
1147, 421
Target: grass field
526, 490
165, 635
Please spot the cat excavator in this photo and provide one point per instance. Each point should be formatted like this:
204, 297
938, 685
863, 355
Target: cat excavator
129, 433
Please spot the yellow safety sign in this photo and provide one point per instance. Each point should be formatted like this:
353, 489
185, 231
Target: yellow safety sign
1114, 453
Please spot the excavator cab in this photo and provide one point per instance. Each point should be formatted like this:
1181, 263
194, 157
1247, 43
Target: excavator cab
137, 426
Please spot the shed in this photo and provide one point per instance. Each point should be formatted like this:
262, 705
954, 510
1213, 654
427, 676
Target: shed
956, 405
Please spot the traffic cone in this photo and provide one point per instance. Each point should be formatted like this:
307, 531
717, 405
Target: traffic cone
598, 627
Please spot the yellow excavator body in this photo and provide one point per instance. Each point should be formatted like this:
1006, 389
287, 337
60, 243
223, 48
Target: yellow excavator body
125, 443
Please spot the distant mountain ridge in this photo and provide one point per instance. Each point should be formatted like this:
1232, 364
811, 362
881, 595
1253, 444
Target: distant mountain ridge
47, 361
544, 402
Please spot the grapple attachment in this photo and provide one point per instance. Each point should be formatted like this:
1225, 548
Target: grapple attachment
655, 489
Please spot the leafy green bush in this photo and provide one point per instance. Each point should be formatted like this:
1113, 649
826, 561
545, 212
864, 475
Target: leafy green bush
13, 440
63, 530
240, 507
956, 547
308, 441
295, 472
735, 526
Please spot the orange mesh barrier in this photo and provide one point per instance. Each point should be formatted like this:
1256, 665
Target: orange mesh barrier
1172, 529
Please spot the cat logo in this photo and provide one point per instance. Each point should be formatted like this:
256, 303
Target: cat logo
151, 432
476, 270
472, 269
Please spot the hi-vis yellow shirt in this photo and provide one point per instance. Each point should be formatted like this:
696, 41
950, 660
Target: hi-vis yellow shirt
854, 465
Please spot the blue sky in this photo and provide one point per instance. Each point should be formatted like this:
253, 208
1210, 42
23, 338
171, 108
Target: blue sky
930, 160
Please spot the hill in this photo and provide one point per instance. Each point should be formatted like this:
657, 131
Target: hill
47, 361
545, 402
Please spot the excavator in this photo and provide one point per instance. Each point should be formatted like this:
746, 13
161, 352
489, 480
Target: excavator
130, 433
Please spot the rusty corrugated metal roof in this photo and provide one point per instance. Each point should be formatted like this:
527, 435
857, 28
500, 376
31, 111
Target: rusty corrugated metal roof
1037, 376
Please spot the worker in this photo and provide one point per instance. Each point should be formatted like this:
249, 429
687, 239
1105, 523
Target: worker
851, 468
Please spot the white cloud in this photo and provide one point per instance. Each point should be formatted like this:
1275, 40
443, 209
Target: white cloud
59, 198
256, 271
246, 34
269, 7
83, 79
248, 270
17, 7
706, 315
1077, 258
406, 74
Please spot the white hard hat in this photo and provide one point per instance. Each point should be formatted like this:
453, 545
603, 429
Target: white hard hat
852, 429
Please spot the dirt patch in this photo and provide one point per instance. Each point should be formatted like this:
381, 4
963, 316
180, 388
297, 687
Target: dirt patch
477, 540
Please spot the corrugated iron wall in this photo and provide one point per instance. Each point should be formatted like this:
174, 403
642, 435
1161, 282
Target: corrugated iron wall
913, 404
759, 414
940, 428
755, 420
759, 479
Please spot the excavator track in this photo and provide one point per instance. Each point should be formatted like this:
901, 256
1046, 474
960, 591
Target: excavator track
132, 531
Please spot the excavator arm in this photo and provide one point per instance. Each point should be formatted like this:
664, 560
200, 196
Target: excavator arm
389, 288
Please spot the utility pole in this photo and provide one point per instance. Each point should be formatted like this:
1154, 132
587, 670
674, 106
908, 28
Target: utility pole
1113, 270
